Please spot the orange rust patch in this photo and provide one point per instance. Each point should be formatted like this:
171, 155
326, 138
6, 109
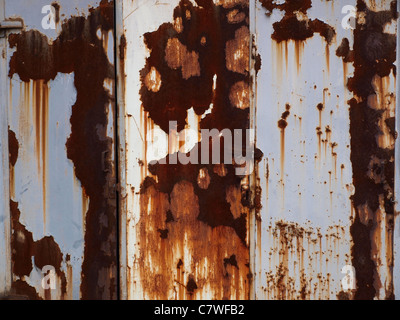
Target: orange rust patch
238, 51
235, 16
204, 207
203, 179
187, 246
240, 95
177, 56
153, 80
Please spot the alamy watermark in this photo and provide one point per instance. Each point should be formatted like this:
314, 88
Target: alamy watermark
237, 148
49, 278
349, 280
49, 20
348, 21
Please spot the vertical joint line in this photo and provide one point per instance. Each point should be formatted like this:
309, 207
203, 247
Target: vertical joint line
116, 148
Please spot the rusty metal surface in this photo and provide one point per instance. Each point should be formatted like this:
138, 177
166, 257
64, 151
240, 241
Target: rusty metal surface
187, 238
61, 127
82, 191
328, 186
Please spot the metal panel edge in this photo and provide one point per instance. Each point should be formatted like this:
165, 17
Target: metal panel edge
5, 224
120, 145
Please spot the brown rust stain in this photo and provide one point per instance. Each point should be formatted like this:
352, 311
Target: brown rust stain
373, 56
282, 124
203, 61
291, 27
297, 27
13, 149
186, 233
56, 7
21, 244
40, 111
177, 56
77, 49
22, 290
44, 252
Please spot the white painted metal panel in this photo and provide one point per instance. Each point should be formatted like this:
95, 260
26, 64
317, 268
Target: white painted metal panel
50, 197
304, 237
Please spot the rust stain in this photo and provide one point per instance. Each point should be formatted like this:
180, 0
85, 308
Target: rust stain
40, 111
177, 56
291, 27
44, 252
77, 49
373, 55
21, 244
205, 53
282, 124
300, 254
206, 245
13, 149
24, 290
56, 7
297, 27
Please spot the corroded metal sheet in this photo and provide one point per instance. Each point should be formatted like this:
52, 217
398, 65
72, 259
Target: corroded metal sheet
315, 219
60, 94
187, 226
327, 94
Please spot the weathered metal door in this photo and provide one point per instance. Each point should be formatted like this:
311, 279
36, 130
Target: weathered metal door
57, 88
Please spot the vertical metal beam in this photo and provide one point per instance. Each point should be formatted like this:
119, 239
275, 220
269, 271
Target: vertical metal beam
5, 227
121, 141
253, 123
